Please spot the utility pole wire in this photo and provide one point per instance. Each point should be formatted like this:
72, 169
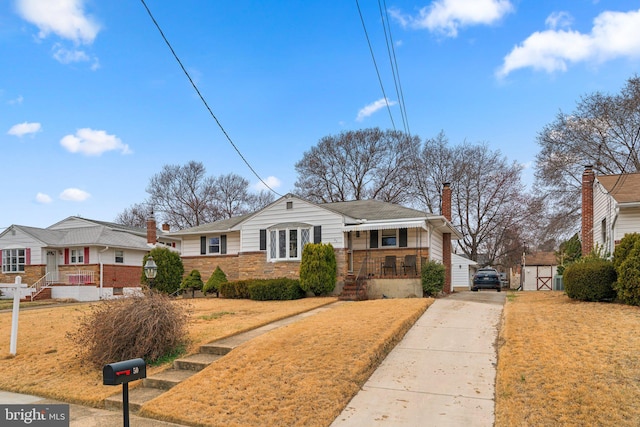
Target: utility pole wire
204, 101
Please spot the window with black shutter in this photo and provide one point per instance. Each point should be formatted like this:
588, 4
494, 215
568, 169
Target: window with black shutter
402, 238
373, 239
263, 240
223, 244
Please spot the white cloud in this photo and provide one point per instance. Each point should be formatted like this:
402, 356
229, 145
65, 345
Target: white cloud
65, 18
447, 16
271, 181
559, 20
93, 142
67, 56
74, 195
16, 101
372, 108
22, 129
614, 35
43, 198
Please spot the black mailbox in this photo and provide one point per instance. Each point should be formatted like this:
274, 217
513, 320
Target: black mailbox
124, 372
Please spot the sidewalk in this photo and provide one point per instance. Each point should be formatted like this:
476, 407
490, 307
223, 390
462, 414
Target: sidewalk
442, 373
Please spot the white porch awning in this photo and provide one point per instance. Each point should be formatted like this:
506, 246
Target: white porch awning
386, 225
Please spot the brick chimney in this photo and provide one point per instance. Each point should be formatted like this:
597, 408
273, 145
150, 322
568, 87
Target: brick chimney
588, 178
166, 227
152, 238
446, 238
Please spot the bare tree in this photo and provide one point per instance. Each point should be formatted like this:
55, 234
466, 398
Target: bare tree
604, 132
134, 216
489, 203
184, 196
356, 165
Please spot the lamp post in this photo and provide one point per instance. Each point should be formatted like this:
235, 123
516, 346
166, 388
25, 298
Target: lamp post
150, 270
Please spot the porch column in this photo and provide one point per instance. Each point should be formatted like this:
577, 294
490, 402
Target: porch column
446, 238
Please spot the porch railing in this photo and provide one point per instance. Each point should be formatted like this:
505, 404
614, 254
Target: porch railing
374, 267
40, 285
80, 277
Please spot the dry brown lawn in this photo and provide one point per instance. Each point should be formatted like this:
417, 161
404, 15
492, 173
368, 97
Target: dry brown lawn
46, 363
563, 362
303, 374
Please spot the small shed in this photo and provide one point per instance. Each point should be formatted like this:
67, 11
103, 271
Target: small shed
539, 270
462, 271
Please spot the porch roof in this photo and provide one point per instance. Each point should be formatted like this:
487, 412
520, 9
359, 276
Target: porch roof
386, 225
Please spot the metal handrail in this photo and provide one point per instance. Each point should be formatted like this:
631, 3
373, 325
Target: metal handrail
40, 285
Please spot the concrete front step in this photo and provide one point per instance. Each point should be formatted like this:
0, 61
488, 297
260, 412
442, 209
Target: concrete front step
213, 348
167, 379
137, 397
196, 362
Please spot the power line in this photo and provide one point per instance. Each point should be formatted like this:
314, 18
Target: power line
204, 101
391, 52
375, 64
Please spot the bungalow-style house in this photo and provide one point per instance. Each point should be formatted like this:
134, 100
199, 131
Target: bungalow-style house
539, 270
78, 258
610, 209
379, 246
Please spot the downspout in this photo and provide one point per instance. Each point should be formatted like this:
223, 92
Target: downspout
430, 242
100, 291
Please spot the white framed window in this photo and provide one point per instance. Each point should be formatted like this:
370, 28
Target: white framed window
119, 257
13, 260
214, 245
389, 238
287, 243
77, 256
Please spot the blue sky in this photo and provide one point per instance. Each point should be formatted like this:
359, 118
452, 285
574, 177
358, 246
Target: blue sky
92, 103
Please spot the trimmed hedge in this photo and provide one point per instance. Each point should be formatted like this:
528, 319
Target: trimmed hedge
192, 281
213, 283
627, 261
433, 278
236, 289
590, 281
275, 289
318, 268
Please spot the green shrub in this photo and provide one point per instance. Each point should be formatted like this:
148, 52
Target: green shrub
149, 326
433, 277
318, 268
569, 252
628, 269
170, 270
624, 248
192, 281
275, 289
236, 289
590, 281
213, 284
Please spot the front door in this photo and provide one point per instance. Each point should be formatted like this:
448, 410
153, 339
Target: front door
52, 266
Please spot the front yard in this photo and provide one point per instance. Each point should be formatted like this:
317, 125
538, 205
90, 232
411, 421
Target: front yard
564, 362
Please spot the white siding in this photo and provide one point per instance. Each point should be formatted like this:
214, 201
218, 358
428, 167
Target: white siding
603, 208
21, 240
301, 211
191, 244
628, 222
532, 272
461, 276
131, 257
71, 223
435, 251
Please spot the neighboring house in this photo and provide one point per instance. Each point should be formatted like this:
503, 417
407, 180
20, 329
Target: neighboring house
610, 209
378, 245
539, 270
462, 271
79, 258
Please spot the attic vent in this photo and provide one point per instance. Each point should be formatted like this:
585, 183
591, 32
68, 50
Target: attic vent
289, 205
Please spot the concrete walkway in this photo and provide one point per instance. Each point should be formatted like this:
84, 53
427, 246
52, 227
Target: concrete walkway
442, 373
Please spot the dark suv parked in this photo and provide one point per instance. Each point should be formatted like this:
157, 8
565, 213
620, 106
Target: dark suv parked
486, 278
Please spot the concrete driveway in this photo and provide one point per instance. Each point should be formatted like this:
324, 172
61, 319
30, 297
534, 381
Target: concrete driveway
443, 371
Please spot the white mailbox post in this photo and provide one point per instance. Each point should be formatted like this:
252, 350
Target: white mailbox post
17, 291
